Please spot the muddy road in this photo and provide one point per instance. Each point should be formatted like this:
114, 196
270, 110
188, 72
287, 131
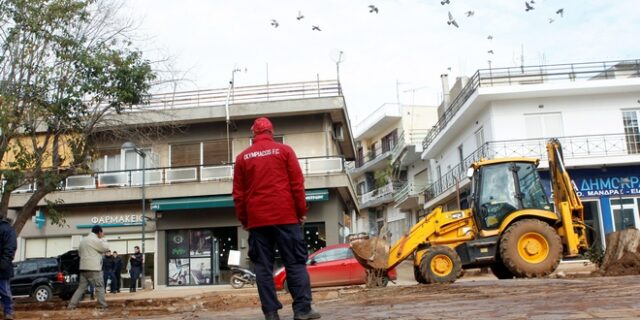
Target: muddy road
576, 298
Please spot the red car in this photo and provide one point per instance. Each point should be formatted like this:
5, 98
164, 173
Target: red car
332, 266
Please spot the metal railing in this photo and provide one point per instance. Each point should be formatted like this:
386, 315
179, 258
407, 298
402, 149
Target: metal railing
373, 155
407, 138
383, 193
407, 190
527, 75
170, 175
246, 94
573, 147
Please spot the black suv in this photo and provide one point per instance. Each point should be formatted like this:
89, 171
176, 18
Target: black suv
44, 278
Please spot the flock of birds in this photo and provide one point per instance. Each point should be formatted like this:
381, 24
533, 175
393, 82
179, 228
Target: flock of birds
529, 6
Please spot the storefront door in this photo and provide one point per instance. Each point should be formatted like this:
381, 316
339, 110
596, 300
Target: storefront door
625, 213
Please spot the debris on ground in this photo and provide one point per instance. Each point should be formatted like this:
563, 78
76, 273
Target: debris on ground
622, 256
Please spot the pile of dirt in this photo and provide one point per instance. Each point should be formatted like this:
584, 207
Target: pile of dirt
622, 256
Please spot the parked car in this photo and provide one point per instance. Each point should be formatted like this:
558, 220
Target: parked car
45, 278
333, 265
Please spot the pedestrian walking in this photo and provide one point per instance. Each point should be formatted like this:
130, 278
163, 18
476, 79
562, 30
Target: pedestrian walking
136, 261
269, 197
8, 246
91, 249
117, 269
108, 270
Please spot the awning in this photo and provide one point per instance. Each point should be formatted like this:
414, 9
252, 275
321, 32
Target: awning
225, 201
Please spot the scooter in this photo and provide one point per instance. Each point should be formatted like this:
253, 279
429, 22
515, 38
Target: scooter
241, 276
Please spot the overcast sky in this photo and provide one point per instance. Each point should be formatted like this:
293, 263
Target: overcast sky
401, 50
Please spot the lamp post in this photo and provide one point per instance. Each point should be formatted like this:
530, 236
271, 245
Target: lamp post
132, 146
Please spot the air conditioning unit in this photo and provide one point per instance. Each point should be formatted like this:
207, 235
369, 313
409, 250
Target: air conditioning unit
338, 132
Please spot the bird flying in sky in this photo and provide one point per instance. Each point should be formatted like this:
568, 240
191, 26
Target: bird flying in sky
274, 23
373, 9
469, 13
452, 21
528, 7
551, 20
490, 37
490, 52
315, 28
443, 2
300, 16
560, 12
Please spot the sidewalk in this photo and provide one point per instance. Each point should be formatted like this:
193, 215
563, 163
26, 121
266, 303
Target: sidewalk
178, 292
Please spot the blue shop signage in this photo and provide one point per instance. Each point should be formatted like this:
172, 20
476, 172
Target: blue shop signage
602, 182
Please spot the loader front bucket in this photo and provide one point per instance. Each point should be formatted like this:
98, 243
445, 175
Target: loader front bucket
371, 252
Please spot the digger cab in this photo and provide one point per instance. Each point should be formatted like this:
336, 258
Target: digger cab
500, 187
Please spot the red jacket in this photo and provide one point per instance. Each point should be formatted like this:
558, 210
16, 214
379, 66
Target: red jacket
268, 186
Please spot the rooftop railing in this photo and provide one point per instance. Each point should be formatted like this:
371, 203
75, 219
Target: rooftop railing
527, 75
246, 94
573, 147
172, 175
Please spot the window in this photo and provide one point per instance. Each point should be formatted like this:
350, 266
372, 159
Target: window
544, 125
109, 160
279, 139
28, 267
132, 160
497, 194
333, 255
389, 141
631, 130
533, 195
49, 266
315, 236
184, 155
215, 152
625, 212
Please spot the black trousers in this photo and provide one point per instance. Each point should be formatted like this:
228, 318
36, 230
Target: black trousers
291, 246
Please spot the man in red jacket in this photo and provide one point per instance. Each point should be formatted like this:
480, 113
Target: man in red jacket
268, 192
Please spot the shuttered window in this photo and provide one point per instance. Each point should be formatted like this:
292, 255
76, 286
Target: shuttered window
183, 155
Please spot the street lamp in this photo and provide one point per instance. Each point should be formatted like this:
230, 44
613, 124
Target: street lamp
132, 146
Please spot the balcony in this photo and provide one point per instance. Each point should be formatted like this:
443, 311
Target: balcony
409, 147
373, 160
379, 196
593, 150
377, 122
407, 196
528, 75
311, 166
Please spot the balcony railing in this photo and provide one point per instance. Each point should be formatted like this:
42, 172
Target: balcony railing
407, 190
373, 155
527, 75
382, 193
573, 147
246, 94
407, 138
165, 176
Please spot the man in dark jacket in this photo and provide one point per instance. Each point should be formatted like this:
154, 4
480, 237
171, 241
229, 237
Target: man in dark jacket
117, 269
269, 198
8, 246
135, 261
108, 270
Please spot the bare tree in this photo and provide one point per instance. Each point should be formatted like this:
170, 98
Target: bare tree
66, 66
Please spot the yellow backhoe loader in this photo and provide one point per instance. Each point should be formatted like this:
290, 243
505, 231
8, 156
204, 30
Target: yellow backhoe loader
510, 226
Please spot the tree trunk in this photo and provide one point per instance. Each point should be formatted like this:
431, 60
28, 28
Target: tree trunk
28, 210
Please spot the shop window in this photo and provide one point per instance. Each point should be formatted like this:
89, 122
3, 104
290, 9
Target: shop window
315, 236
199, 256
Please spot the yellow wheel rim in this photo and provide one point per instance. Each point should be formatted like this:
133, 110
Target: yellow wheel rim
533, 247
441, 265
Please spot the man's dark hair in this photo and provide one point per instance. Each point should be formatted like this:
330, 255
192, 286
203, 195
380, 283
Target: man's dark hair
96, 229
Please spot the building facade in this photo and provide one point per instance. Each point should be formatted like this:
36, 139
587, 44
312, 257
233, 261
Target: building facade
387, 148
592, 108
190, 224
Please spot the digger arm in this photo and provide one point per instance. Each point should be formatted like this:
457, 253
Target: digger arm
437, 224
566, 200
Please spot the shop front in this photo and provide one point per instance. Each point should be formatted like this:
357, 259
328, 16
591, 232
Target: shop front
611, 198
196, 234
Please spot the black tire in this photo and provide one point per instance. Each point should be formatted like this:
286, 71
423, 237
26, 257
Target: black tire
418, 275
237, 281
440, 264
531, 248
501, 271
42, 293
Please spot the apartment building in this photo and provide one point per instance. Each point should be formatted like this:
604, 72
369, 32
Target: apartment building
592, 108
388, 147
190, 224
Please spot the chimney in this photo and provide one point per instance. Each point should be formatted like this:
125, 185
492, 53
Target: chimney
445, 90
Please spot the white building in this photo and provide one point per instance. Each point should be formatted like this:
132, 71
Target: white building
388, 145
593, 108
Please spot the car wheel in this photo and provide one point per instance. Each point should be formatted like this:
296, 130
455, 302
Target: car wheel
42, 293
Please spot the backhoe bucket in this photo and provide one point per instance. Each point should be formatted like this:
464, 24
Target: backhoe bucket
371, 252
